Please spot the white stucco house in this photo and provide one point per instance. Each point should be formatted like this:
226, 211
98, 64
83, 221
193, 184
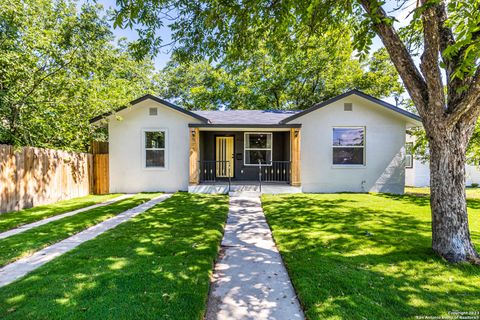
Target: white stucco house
417, 172
353, 142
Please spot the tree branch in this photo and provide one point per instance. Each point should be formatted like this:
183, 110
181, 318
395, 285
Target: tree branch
430, 59
446, 34
400, 56
39, 81
447, 39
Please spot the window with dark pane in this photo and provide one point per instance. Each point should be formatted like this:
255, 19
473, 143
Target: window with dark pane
348, 146
155, 149
258, 148
155, 158
253, 156
155, 139
261, 141
348, 156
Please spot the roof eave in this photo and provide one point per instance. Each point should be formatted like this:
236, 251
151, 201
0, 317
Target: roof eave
156, 99
346, 94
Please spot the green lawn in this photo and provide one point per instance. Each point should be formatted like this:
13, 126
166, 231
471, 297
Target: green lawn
14, 219
472, 193
155, 266
368, 256
26, 243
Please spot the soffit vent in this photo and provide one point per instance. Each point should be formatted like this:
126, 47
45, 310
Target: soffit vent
347, 106
153, 111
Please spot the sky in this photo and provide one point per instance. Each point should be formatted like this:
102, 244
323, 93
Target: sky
131, 34
163, 56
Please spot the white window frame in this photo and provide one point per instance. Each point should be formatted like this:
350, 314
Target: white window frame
245, 149
408, 165
364, 147
144, 149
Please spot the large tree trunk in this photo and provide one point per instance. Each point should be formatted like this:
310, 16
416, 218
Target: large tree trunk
448, 127
450, 232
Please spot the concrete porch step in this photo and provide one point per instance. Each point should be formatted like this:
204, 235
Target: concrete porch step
246, 194
243, 189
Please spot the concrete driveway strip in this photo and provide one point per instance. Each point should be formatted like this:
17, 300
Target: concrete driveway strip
32, 225
20, 268
250, 280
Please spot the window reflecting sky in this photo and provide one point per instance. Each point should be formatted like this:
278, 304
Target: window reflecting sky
348, 136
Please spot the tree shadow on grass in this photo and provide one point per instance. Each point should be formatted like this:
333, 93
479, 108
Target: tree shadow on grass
419, 200
353, 261
472, 206
156, 266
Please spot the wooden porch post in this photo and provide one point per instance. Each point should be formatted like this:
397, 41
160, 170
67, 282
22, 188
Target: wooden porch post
194, 155
295, 156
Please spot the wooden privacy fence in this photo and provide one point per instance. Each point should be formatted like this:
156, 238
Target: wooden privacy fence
34, 176
100, 167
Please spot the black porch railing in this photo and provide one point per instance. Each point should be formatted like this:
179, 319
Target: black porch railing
215, 171
275, 171
220, 171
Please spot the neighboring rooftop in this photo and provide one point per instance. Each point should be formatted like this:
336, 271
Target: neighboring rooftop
246, 116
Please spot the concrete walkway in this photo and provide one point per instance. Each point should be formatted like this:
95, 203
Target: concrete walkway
250, 280
20, 268
32, 225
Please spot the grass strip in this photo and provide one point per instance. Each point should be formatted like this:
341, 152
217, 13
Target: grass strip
15, 219
369, 256
471, 193
26, 243
155, 266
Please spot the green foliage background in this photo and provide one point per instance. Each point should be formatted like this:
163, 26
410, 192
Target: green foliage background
59, 67
293, 77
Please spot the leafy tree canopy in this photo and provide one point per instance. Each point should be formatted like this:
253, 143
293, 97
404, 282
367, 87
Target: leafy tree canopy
59, 68
290, 77
235, 28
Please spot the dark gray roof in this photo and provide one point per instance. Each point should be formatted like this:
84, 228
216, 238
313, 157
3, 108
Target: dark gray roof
246, 116
154, 98
346, 94
255, 118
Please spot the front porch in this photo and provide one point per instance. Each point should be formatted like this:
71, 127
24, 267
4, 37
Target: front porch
242, 158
